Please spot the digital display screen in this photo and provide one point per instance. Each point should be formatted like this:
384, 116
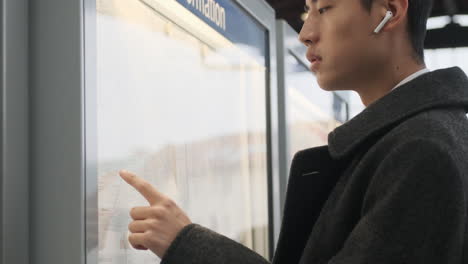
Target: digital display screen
183, 106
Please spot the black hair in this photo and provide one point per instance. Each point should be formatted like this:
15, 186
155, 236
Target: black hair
418, 13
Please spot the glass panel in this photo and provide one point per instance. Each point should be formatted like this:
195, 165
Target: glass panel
312, 112
184, 107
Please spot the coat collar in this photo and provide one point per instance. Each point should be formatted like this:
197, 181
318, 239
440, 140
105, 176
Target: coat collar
441, 88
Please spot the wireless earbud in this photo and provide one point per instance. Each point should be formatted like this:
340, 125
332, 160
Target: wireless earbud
387, 17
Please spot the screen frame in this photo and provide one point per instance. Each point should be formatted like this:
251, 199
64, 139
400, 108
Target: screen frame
14, 133
262, 13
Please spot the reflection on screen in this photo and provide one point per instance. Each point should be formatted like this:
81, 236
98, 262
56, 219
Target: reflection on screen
185, 109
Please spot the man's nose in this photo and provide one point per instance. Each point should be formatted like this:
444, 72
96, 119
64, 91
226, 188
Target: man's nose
308, 35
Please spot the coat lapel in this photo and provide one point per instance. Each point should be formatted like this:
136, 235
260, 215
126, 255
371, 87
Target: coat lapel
312, 177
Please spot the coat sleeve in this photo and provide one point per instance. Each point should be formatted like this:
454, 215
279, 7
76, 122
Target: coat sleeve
414, 210
196, 244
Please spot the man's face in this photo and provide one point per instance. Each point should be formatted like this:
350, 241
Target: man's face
341, 45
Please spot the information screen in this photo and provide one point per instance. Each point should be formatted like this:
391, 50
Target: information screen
181, 102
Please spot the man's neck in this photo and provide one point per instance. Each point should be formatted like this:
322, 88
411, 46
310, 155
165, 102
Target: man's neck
382, 85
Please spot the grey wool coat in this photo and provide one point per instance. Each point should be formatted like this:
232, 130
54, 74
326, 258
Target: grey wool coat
390, 187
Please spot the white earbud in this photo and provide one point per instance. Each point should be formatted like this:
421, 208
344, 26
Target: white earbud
387, 17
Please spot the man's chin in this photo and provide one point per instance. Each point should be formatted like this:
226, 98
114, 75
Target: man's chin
324, 83
329, 83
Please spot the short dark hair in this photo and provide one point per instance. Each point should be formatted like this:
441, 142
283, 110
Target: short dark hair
418, 13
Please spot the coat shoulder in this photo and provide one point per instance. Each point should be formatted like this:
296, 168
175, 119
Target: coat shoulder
444, 127
441, 132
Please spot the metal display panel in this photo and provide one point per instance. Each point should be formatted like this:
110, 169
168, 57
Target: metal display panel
57, 155
307, 113
265, 15
14, 192
63, 80
177, 159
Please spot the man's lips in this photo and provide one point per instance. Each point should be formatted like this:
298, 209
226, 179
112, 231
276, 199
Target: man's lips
313, 58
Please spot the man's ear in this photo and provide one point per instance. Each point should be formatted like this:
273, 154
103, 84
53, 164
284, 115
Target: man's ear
399, 9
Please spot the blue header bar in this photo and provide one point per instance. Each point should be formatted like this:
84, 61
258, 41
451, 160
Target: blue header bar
231, 21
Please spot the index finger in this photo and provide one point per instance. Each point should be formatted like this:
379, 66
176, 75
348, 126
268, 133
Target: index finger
143, 187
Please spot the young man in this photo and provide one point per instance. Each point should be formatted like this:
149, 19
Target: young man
391, 186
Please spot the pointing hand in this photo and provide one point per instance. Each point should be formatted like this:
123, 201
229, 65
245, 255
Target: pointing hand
155, 226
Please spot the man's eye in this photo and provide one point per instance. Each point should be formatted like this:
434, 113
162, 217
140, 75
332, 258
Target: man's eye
323, 9
306, 9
